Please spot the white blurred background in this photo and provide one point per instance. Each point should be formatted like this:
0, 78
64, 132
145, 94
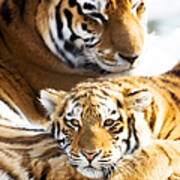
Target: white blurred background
164, 40
164, 15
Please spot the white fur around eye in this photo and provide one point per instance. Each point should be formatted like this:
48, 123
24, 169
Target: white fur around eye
74, 112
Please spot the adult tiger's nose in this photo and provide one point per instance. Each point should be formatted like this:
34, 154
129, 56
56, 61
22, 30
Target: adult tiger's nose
130, 59
89, 155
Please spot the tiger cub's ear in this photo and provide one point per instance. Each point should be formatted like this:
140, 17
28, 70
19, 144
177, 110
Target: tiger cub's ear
138, 100
50, 98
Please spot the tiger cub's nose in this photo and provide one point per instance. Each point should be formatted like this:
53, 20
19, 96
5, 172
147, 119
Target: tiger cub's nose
89, 155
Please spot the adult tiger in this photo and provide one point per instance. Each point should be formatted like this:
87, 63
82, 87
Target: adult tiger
81, 35
57, 43
124, 128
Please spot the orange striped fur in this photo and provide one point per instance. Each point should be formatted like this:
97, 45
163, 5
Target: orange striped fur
124, 128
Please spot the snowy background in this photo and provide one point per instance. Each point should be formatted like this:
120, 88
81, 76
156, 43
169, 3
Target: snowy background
164, 40
163, 15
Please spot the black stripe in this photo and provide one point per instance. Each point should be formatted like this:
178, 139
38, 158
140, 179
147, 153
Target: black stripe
61, 52
174, 97
21, 5
136, 92
68, 15
23, 129
66, 146
58, 128
131, 134
70, 48
30, 172
74, 37
51, 152
4, 41
79, 97
10, 106
127, 141
53, 129
9, 172
79, 9
98, 16
58, 21
26, 140
66, 121
31, 130
68, 45
44, 173
166, 153
5, 12
2, 37
118, 131
119, 104
169, 132
171, 82
177, 139
89, 6
153, 116
72, 3
135, 135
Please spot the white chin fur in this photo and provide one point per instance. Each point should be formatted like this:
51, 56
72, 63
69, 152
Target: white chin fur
90, 173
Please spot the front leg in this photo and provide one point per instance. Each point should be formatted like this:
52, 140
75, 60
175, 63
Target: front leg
157, 161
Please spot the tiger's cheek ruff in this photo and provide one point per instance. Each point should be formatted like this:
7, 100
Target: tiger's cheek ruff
65, 128
71, 40
122, 127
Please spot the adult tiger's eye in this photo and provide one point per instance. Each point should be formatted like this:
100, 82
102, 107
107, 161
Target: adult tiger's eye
75, 122
108, 122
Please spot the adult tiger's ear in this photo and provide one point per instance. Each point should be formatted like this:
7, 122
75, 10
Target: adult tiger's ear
50, 98
138, 99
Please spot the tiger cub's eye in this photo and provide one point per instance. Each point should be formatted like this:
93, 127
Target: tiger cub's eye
108, 122
75, 122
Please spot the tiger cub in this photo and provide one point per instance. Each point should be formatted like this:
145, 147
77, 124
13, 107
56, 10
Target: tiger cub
124, 128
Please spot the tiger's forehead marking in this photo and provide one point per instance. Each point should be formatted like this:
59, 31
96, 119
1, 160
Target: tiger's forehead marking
92, 105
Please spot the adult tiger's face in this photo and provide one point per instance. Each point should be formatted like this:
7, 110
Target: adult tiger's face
94, 34
95, 129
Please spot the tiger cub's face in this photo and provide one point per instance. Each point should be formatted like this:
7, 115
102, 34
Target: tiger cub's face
98, 35
95, 129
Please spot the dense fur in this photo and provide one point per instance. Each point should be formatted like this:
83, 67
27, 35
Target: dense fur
97, 35
32, 155
120, 128
50, 43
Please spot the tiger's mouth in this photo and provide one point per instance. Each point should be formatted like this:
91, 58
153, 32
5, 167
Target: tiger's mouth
91, 172
115, 68
105, 66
